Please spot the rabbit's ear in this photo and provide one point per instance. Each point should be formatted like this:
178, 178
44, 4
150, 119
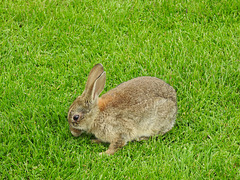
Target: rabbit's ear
98, 85
95, 83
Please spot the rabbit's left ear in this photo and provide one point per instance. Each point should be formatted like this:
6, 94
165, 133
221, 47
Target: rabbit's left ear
98, 86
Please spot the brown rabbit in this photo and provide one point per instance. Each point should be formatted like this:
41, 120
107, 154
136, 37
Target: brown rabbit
134, 110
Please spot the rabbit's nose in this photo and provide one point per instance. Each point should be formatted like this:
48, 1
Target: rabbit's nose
75, 117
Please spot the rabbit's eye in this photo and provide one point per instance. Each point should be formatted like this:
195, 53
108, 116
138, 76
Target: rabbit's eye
75, 117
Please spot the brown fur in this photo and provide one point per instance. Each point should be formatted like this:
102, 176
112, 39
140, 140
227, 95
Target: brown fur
104, 102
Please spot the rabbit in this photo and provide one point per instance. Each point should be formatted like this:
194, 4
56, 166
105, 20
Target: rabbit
134, 110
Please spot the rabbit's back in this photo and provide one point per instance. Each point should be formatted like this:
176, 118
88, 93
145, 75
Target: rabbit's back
137, 91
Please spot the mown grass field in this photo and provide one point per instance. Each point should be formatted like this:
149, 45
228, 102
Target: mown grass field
47, 49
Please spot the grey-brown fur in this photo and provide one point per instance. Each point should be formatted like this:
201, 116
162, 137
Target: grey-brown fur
134, 110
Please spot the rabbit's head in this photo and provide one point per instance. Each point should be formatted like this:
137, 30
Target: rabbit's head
84, 109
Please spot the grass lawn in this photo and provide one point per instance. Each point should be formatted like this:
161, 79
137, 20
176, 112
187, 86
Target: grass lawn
47, 49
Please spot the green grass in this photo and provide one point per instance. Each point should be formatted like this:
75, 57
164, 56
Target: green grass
47, 49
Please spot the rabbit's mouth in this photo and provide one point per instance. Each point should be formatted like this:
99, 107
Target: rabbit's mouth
76, 126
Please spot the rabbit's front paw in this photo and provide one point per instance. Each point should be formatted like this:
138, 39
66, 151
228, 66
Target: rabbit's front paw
104, 153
